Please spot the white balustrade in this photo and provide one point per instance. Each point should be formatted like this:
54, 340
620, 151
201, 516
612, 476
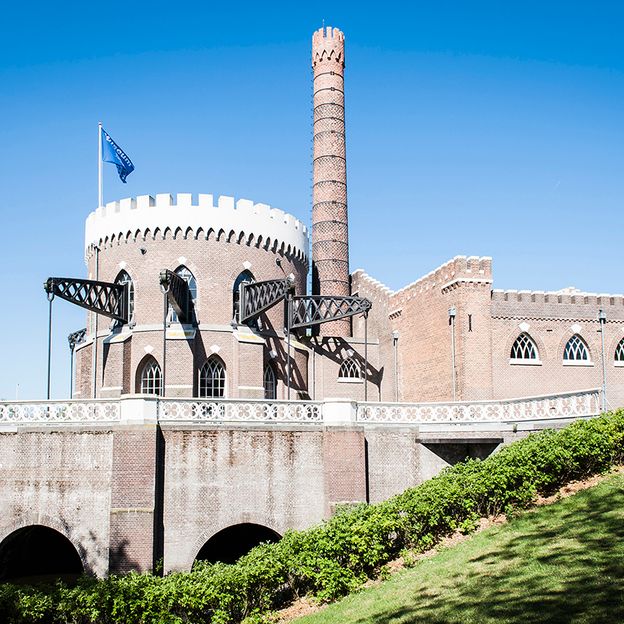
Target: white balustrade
48, 412
564, 405
146, 408
232, 410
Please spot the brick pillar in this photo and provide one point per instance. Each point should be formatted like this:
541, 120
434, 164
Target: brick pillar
344, 467
134, 543
330, 232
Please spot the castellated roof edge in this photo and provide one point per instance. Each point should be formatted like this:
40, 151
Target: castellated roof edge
565, 295
371, 281
462, 268
147, 212
328, 44
327, 32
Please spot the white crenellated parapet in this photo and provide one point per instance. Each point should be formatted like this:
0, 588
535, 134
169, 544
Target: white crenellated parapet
131, 218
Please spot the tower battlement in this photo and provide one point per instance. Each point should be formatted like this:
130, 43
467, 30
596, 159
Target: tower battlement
458, 270
328, 44
183, 213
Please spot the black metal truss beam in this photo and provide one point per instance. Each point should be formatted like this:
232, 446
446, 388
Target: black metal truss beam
317, 309
258, 297
76, 338
178, 295
99, 297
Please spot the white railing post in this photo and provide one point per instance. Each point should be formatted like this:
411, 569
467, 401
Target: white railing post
138, 409
339, 412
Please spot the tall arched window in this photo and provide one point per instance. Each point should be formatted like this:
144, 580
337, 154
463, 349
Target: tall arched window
619, 352
350, 369
212, 378
124, 278
524, 348
151, 377
189, 278
576, 350
270, 382
243, 278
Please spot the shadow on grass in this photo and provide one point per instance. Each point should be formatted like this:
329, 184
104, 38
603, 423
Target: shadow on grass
561, 564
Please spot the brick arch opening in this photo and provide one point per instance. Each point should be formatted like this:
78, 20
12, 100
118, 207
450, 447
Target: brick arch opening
37, 552
233, 542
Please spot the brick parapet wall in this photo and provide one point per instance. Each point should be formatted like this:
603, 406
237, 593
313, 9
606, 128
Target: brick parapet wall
555, 305
459, 269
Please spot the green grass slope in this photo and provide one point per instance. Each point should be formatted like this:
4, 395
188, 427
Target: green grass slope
560, 563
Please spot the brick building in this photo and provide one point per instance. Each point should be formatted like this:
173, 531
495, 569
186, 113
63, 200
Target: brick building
447, 336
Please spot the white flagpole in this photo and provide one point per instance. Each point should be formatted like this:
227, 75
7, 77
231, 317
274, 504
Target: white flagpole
100, 189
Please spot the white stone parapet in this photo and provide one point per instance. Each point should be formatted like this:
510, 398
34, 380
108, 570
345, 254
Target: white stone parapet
566, 405
167, 216
144, 409
59, 412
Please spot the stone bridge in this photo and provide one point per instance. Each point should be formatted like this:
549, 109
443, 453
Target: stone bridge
116, 485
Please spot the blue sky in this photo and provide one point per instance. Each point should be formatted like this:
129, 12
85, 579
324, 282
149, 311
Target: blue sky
481, 128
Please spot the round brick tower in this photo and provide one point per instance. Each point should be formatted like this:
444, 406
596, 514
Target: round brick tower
214, 243
330, 230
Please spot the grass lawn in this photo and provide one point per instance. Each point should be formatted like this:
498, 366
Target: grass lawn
559, 563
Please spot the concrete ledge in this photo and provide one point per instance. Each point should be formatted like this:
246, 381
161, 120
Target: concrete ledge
461, 439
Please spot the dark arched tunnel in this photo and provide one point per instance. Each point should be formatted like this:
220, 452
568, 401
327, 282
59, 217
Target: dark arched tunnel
231, 543
38, 552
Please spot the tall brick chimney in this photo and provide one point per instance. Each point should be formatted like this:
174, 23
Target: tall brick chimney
330, 229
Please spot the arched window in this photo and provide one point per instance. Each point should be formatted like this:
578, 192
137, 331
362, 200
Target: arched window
576, 350
350, 369
619, 352
124, 278
212, 378
270, 382
524, 348
151, 377
189, 278
245, 277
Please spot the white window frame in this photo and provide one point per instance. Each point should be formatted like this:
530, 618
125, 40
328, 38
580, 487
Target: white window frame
536, 361
151, 376
619, 349
218, 361
350, 364
568, 362
269, 370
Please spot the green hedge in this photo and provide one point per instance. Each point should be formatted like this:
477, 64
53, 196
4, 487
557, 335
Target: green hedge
336, 557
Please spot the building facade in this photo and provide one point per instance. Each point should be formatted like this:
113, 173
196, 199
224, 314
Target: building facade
447, 336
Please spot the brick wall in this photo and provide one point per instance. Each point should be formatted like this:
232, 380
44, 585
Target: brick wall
60, 479
215, 265
551, 319
132, 499
420, 312
281, 478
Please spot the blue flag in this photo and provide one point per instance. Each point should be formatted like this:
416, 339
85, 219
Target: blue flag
112, 153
